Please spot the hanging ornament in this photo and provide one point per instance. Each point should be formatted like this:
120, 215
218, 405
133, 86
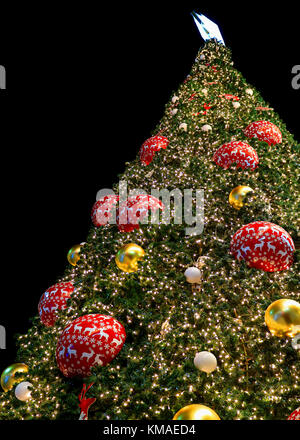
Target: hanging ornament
183, 126
229, 97
74, 254
193, 275
128, 256
205, 361
90, 340
249, 92
134, 209
296, 339
236, 104
8, 379
236, 152
237, 197
23, 391
206, 128
54, 299
196, 412
283, 318
295, 415
84, 403
151, 146
102, 209
263, 245
174, 111
264, 131
175, 99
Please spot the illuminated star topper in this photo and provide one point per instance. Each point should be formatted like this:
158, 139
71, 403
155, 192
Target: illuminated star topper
207, 28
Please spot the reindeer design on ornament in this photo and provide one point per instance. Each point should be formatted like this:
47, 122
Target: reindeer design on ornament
84, 403
88, 355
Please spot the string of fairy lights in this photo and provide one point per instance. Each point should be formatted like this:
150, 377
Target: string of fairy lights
153, 375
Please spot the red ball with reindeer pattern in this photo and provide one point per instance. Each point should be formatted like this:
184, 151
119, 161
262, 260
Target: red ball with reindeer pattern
263, 245
55, 298
90, 340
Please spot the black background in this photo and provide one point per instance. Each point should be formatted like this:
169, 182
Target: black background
85, 87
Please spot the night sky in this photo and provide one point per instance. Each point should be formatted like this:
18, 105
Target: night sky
85, 87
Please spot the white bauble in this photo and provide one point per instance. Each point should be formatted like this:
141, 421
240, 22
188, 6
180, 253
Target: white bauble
193, 275
206, 127
204, 91
296, 340
249, 92
205, 361
22, 391
236, 104
183, 126
174, 111
175, 99
202, 57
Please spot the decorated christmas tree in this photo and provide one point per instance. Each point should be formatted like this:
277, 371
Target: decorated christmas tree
152, 316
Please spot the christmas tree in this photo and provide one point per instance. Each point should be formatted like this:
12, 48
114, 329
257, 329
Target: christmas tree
186, 292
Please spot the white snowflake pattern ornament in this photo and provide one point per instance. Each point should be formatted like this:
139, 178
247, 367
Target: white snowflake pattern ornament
263, 245
295, 415
240, 153
78, 357
54, 299
264, 131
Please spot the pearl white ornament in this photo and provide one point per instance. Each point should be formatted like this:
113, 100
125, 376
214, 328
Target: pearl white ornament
249, 92
193, 275
236, 104
206, 127
204, 91
22, 391
202, 57
296, 341
174, 111
205, 361
175, 99
183, 126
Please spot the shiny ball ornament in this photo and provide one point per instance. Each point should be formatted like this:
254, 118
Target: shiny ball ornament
74, 254
128, 256
249, 92
193, 275
264, 131
296, 339
240, 153
54, 299
8, 379
205, 361
23, 391
263, 245
236, 104
295, 415
90, 340
196, 412
103, 209
238, 195
282, 318
151, 146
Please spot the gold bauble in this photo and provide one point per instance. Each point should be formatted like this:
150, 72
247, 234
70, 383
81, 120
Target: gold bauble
73, 254
128, 256
283, 318
238, 195
8, 379
196, 412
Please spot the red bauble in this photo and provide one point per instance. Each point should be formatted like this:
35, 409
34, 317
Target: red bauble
151, 146
295, 415
236, 152
89, 341
134, 209
55, 298
264, 131
102, 209
263, 245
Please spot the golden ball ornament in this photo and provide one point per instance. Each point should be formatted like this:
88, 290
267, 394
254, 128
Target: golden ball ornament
8, 379
128, 256
238, 196
74, 254
196, 412
283, 318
